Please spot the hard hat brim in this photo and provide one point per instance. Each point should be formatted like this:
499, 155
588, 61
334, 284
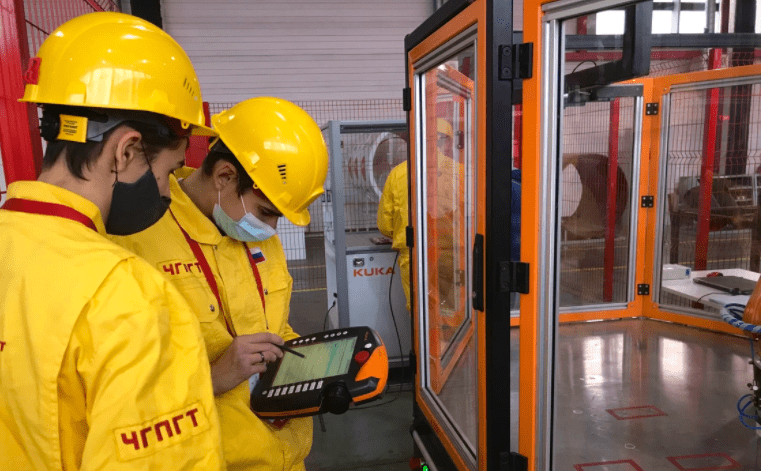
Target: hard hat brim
298, 219
203, 131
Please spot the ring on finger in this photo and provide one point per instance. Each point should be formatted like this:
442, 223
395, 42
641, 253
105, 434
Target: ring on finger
262, 357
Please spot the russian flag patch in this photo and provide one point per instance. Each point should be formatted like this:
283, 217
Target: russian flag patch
257, 254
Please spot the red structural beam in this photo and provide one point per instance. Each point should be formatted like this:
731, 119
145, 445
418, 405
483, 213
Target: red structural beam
517, 144
612, 198
19, 132
707, 168
197, 145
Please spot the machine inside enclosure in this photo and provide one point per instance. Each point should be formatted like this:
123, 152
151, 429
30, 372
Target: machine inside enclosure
363, 278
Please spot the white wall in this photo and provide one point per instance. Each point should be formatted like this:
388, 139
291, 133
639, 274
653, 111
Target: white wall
296, 49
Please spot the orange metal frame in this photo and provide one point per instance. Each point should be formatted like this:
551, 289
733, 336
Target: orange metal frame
654, 90
475, 14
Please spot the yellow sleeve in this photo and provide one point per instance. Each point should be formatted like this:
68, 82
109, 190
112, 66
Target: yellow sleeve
386, 208
140, 358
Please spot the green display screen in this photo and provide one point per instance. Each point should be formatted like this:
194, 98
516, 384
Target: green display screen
322, 360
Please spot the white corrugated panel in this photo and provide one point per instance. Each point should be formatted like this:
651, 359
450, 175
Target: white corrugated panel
298, 50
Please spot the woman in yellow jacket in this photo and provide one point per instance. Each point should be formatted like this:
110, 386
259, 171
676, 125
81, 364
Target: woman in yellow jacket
100, 357
219, 246
393, 217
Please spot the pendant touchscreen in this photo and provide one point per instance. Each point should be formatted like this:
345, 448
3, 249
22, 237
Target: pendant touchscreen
338, 368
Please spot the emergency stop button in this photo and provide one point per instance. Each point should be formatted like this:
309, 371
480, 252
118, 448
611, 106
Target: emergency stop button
361, 357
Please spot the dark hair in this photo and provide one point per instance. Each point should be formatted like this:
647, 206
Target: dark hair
220, 152
82, 155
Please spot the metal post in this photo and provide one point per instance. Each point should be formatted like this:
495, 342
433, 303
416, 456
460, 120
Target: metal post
706, 179
710, 15
19, 132
338, 208
612, 198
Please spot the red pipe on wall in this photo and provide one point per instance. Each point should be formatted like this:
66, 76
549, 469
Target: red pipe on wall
707, 168
612, 195
19, 131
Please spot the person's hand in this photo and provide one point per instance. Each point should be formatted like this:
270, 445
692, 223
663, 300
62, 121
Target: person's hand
247, 355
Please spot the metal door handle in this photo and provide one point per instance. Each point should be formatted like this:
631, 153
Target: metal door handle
477, 273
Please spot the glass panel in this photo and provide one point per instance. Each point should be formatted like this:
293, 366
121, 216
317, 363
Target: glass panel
596, 202
615, 382
449, 95
448, 140
711, 224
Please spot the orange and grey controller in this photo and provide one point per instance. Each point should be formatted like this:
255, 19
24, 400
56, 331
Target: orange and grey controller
340, 367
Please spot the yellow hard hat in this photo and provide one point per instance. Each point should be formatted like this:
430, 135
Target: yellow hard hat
281, 148
445, 127
116, 61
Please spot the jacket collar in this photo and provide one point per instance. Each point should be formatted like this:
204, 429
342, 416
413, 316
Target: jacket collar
45, 192
192, 220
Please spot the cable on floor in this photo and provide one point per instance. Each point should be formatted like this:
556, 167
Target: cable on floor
400, 345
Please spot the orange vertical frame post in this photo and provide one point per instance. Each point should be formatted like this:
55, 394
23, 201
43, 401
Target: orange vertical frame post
529, 248
474, 14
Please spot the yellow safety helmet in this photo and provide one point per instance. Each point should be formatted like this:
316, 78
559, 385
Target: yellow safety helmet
281, 148
116, 61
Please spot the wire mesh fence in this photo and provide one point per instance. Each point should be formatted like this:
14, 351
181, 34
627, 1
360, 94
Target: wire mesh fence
43, 16
712, 213
365, 170
695, 61
595, 221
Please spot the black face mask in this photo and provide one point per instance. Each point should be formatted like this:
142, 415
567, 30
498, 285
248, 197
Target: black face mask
136, 206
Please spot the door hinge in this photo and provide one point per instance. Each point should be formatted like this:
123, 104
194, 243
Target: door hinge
651, 108
516, 61
514, 277
643, 289
648, 201
511, 461
407, 99
409, 236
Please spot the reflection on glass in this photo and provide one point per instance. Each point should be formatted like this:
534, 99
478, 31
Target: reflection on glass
448, 148
449, 92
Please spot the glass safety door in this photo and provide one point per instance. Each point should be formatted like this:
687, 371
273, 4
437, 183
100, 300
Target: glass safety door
460, 308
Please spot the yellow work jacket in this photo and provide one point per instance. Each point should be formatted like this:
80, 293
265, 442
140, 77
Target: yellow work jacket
100, 357
393, 217
248, 442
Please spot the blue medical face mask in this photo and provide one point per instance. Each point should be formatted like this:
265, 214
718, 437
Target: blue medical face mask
246, 229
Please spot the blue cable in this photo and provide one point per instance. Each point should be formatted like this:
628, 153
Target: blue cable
733, 314
742, 413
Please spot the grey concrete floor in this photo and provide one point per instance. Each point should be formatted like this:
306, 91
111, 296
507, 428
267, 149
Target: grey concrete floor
375, 438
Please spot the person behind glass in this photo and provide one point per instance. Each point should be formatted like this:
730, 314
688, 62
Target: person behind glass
393, 217
100, 357
393, 214
218, 245
447, 183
